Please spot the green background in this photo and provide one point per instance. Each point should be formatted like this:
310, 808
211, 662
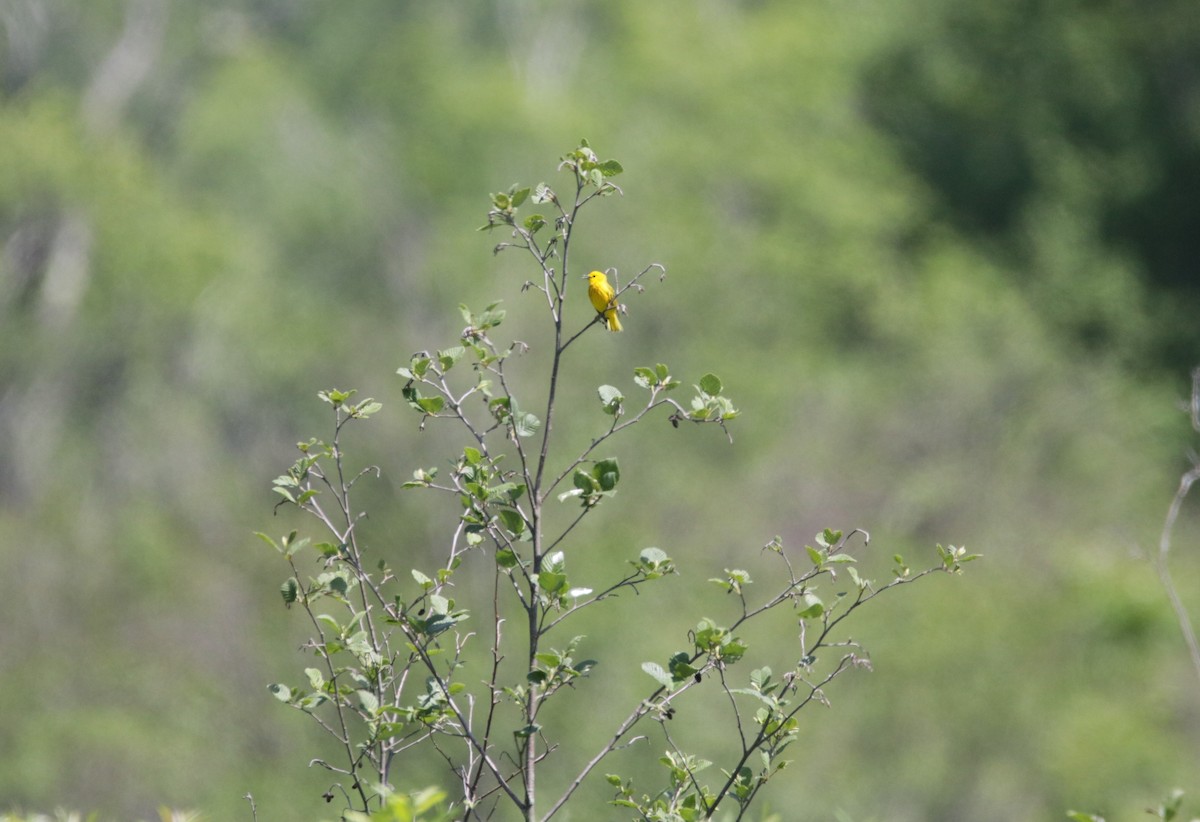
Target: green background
942, 254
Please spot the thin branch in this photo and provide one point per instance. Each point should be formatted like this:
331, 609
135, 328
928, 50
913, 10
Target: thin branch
629, 581
596, 319
683, 762
1164, 542
843, 665
497, 658
652, 403
737, 714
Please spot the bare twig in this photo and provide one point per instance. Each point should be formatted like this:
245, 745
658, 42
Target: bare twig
1164, 542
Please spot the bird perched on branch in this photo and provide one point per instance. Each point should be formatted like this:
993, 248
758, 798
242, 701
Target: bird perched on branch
603, 297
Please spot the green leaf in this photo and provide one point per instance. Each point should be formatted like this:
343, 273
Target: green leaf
292, 543
611, 168
814, 555
512, 520
436, 623
447, 358
312, 702
733, 650
519, 197
491, 317
367, 702
281, 692
289, 541
419, 366
426, 405
607, 473
710, 384
524, 423
330, 622
859, 582
681, 667
508, 490
655, 670
550, 582
550, 660
708, 635
366, 409
335, 582
289, 591
760, 677
811, 606
335, 397
422, 478
654, 563
653, 556
611, 398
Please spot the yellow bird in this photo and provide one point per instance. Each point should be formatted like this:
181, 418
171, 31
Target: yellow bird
603, 298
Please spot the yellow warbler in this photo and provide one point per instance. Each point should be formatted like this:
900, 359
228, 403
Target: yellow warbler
603, 298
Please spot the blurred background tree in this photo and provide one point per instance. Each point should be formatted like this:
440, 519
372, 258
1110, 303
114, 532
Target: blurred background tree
943, 252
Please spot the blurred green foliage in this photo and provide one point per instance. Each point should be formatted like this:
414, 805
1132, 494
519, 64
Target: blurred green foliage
942, 251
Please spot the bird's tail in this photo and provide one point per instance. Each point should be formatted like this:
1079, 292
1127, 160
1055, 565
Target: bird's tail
610, 319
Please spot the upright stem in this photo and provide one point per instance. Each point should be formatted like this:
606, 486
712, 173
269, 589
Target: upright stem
564, 275
1164, 542
534, 695
533, 698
